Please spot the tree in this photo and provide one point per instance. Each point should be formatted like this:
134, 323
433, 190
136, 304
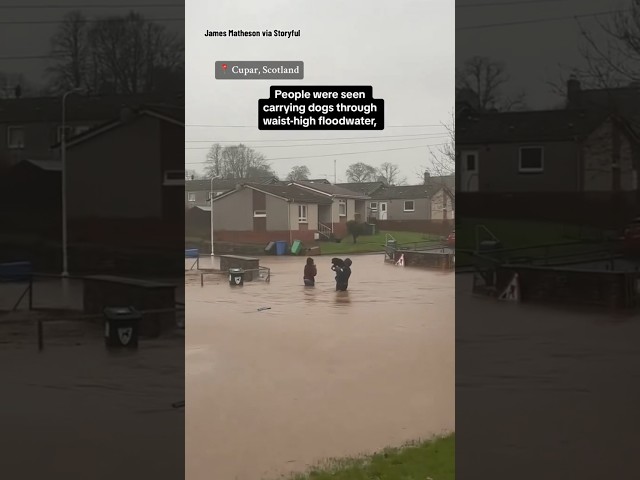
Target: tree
213, 166
236, 161
390, 173
70, 45
613, 59
442, 160
484, 79
300, 172
361, 172
355, 229
118, 54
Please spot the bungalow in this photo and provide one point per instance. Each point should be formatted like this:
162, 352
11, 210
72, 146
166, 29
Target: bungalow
433, 201
260, 213
197, 193
343, 205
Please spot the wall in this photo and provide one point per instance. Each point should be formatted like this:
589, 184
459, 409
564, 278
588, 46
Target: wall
324, 214
441, 201
597, 209
117, 174
599, 151
278, 214
263, 238
555, 285
395, 209
498, 168
234, 212
312, 217
433, 227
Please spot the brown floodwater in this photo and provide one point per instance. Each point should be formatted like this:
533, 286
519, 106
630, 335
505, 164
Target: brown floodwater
545, 392
319, 373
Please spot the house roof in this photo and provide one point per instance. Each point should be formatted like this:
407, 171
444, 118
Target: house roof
447, 181
529, 126
78, 108
173, 115
224, 184
330, 190
406, 192
290, 193
365, 188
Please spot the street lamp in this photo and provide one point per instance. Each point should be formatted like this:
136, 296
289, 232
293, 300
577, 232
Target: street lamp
211, 207
63, 148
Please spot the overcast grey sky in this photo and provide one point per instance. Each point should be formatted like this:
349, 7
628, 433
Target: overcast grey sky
403, 49
23, 35
532, 52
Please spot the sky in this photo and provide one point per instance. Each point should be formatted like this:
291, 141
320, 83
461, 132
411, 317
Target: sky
403, 49
26, 27
534, 53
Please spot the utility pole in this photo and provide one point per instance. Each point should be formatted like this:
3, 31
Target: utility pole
335, 178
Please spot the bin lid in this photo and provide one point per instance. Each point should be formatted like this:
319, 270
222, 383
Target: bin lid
236, 270
121, 313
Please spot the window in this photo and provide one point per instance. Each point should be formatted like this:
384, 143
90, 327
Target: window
174, 177
409, 206
531, 160
260, 213
373, 206
15, 137
191, 196
471, 162
302, 214
342, 208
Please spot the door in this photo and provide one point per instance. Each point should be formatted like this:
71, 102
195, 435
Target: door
383, 210
469, 171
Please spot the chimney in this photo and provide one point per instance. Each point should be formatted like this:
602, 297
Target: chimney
573, 92
427, 176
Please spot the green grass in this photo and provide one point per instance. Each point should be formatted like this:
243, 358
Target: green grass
427, 460
521, 234
372, 243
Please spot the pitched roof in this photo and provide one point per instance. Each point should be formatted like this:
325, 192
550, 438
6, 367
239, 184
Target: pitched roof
365, 188
174, 115
529, 126
289, 193
224, 184
78, 108
405, 192
447, 181
330, 190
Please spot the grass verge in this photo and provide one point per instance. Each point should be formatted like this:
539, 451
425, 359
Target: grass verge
373, 243
425, 460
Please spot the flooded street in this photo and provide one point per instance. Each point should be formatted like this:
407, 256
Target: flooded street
557, 391
319, 373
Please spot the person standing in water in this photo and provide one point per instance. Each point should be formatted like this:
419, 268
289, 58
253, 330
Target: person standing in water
342, 274
310, 272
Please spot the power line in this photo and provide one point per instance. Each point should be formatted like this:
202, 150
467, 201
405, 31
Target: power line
56, 22
314, 139
331, 154
329, 144
540, 20
254, 126
505, 4
83, 6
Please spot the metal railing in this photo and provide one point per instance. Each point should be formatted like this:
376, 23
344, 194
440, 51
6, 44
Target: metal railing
325, 230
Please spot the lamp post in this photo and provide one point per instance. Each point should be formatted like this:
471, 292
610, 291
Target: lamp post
211, 207
63, 148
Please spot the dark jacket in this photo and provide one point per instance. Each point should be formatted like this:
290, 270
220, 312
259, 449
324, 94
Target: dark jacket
310, 271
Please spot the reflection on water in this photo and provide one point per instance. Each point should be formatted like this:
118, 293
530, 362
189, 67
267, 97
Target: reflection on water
321, 373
